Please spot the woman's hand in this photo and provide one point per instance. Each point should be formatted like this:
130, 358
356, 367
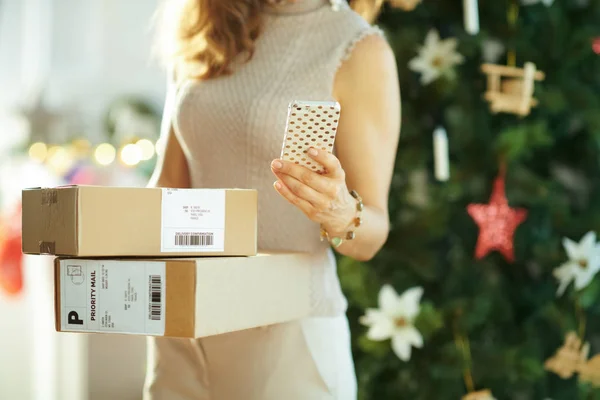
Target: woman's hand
324, 198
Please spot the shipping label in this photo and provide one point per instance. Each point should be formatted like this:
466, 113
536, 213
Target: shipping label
193, 220
113, 296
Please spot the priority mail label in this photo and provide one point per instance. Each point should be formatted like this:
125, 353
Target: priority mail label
101, 296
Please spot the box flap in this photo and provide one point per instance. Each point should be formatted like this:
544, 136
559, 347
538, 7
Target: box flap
49, 223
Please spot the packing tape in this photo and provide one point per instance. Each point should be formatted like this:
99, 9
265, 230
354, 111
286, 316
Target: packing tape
48, 248
49, 196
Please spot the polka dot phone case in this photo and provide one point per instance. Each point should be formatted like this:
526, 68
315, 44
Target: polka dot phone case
309, 124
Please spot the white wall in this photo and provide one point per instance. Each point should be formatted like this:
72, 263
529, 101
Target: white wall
15, 351
111, 57
99, 49
10, 40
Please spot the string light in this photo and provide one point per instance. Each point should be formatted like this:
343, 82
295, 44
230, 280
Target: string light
105, 154
38, 151
147, 148
131, 154
81, 147
60, 159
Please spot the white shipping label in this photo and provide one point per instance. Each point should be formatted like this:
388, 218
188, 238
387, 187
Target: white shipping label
193, 220
113, 296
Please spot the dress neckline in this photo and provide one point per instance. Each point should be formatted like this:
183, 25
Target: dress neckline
297, 7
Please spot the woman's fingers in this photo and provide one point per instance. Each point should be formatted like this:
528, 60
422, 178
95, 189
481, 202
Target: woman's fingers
320, 183
331, 163
292, 198
319, 201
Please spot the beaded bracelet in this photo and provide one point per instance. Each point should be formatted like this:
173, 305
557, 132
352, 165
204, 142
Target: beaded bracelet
337, 241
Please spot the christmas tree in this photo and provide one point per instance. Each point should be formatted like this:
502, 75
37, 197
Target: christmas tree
498, 165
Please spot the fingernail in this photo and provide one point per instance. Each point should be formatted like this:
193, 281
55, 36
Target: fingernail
313, 152
277, 185
276, 164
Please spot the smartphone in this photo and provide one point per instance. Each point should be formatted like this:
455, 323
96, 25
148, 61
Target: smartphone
309, 124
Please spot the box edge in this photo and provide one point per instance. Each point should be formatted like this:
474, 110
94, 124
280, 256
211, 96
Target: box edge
57, 296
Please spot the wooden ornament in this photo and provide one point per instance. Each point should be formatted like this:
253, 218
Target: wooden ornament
590, 371
569, 358
479, 395
514, 93
368, 9
406, 5
572, 358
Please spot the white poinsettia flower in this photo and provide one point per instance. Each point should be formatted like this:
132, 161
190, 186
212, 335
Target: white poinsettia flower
583, 263
394, 320
435, 58
547, 3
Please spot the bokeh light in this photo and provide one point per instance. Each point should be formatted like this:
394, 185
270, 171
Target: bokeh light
59, 159
38, 151
131, 154
105, 154
147, 148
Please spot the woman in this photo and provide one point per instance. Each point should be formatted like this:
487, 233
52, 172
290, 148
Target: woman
236, 66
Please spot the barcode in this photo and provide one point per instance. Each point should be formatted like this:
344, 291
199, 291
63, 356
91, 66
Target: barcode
195, 239
154, 286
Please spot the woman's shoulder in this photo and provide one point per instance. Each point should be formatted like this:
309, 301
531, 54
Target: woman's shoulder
346, 29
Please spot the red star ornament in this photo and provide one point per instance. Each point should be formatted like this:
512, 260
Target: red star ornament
596, 45
497, 223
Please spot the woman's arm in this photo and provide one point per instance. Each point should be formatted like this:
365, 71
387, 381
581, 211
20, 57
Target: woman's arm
367, 89
171, 167
366, 86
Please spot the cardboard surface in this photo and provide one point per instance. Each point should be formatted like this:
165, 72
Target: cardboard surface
92, 221
214, 295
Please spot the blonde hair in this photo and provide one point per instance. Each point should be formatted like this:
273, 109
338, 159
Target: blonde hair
199, 39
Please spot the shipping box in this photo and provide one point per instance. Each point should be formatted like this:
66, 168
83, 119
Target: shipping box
94, 221
185, 297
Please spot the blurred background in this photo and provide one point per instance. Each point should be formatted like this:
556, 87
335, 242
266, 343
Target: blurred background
80, 104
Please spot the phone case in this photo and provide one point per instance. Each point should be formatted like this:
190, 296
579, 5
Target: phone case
309, 124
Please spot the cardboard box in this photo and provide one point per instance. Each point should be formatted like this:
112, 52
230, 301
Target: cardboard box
94, 221
188, 298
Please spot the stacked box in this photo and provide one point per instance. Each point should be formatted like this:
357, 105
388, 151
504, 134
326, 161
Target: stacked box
93, 221
161, 262
188, 297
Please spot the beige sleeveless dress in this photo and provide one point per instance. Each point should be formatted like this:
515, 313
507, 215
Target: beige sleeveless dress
231, 128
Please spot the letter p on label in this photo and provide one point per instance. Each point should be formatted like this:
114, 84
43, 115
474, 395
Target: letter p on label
73, 319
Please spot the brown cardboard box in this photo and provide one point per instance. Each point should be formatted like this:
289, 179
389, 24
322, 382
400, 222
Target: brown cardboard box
94, 221
185, 297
